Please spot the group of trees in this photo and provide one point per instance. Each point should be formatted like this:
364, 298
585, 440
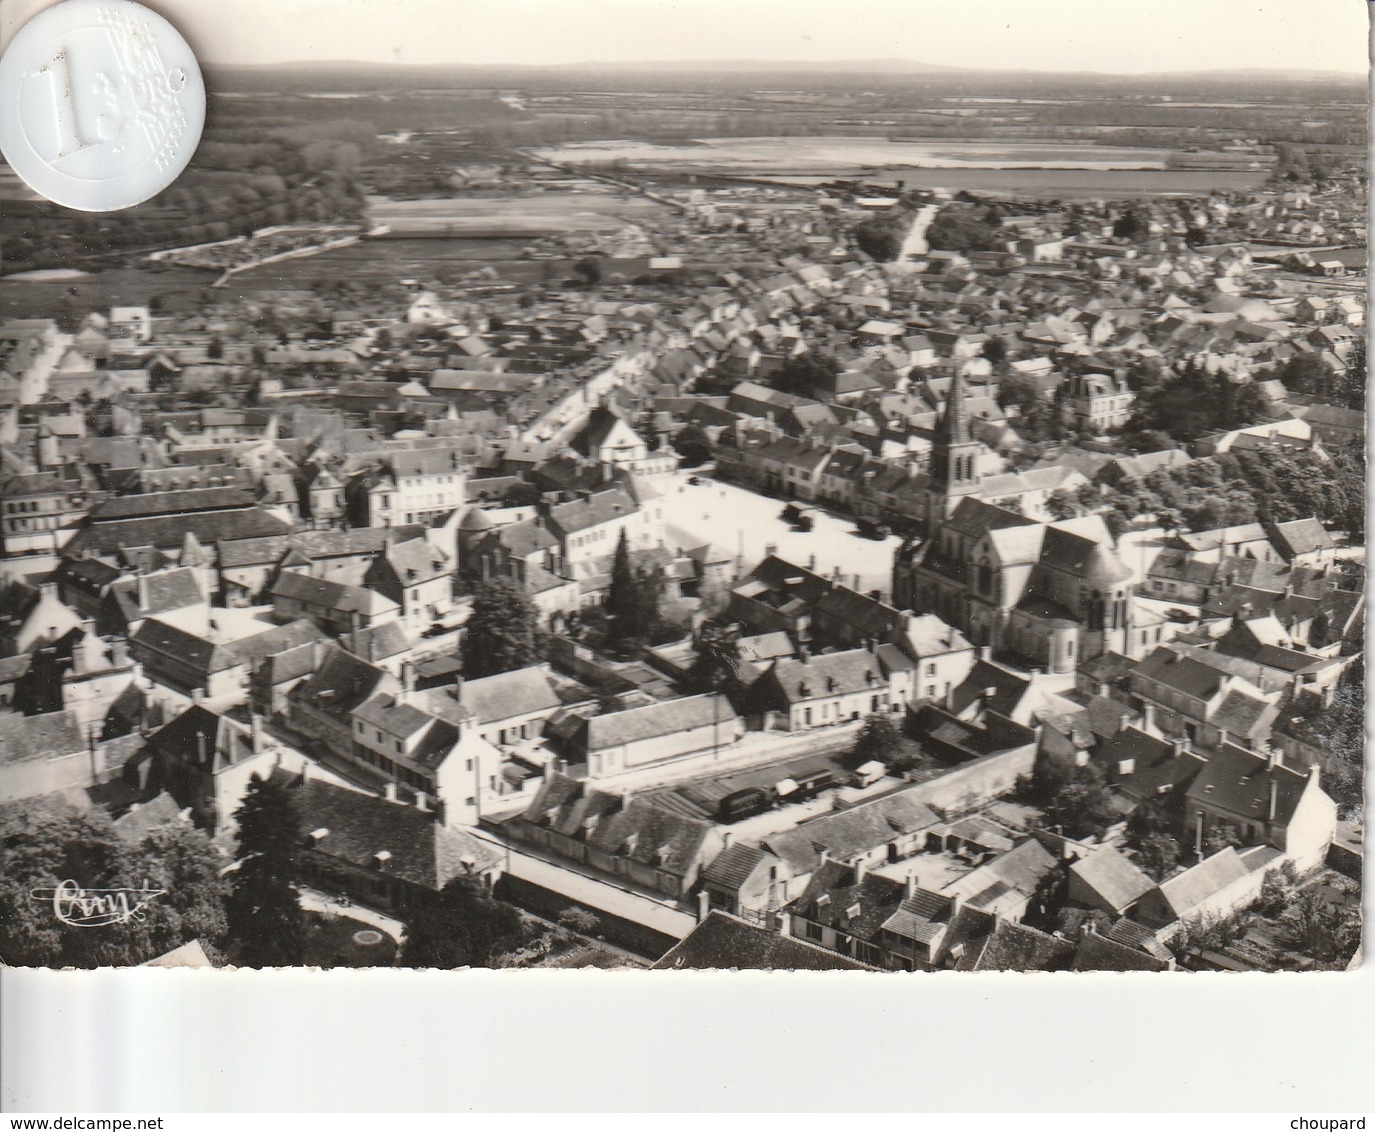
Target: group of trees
43, 843
461, 925
1308, 373
808, 372
962, 227
1305, 166
1244, 487
1075, 799
1186, 404
635, 604
503, 631
882, 236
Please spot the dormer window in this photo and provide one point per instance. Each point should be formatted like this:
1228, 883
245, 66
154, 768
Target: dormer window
823, 900
380, 858
318, 835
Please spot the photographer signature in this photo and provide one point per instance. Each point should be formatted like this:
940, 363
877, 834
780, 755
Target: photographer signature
97, 907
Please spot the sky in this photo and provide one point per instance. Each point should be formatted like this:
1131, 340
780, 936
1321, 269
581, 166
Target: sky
1053, 35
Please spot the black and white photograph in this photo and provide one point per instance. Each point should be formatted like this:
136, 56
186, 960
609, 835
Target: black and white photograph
871, 487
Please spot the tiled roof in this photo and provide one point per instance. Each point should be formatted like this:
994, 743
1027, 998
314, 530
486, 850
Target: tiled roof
1016, 947
166, 531
654, 720
334, 596
1100, 953
422, 851
25, 738
848, 833
828, 674
734, 865
1238, 782
155, 503
1185, 892
340, 684
652, 836
725, 942
1117, 881
508, 694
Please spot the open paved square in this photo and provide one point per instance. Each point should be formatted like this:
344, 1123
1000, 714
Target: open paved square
747, 524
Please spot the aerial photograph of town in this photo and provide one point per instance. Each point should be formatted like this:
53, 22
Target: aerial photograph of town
881, 513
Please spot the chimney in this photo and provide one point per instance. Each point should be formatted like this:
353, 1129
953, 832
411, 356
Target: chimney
1272, 759
703, 905
390, 792
197, 695
1178, 747
727, 836
422, 802
1222, 736
256, 730
1123, 722
1274, 796
306, 766
407, 681
1148, 718
144, 600
861, 867
985, 652
909, 886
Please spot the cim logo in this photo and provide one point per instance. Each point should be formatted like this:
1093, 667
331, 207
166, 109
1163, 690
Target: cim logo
97, 907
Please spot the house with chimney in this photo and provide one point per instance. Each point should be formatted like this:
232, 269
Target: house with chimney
618, 835
634, 738
823, 690
320, 708
425, 746
1264, 802
45, 754
380, 851
334, 606
205, 761
418, 577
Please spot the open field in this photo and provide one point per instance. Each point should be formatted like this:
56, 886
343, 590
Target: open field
538, 214
823, 154
1011, 167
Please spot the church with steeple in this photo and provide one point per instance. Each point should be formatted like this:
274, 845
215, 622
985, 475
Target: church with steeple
1048, 595
957, 459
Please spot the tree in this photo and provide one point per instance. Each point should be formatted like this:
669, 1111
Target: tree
579, 920
589, 270
1222, 836
882, 237
503, 630
1131, 226
621, 596
693, 445
1062, 504
266, 922
1158, 855
1048, 899
1323, 924
462, 925
878, 739
717, 665
1279, 889
805, 374
1084, 807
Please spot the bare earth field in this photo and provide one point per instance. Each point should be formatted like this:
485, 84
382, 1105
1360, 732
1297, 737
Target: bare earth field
535, 214
1012, 167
